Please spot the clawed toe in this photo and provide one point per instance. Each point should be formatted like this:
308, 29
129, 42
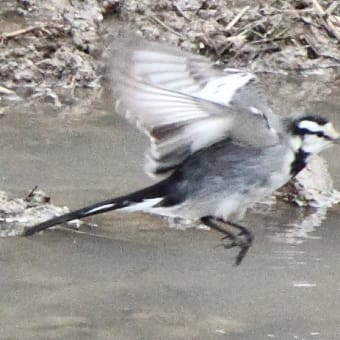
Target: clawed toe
242, 239
244, 243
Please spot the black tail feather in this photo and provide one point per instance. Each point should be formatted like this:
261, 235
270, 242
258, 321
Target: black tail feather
154, 191
93, 209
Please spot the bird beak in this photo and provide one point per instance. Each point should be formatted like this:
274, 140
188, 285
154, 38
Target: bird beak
335, 135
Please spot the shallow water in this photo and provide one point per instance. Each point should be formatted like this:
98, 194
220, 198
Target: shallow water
134, 278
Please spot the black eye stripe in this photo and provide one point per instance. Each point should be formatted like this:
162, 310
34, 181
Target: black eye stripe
303, 132
316, 133
325, 136
319, 134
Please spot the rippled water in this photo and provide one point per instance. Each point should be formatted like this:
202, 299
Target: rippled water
134, 278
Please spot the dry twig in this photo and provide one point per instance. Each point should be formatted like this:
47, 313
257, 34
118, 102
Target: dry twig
179, 10
41, 27
237, 18
160, 22
325, 19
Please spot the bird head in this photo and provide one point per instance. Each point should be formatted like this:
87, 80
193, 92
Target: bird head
312, 134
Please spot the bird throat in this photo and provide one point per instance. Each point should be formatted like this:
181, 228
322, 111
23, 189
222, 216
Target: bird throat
299, 162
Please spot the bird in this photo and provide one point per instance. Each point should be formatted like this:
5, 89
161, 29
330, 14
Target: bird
216, 146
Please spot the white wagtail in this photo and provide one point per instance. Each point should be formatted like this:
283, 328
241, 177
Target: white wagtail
214, 139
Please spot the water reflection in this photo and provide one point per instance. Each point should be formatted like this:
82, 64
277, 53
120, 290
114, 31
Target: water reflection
300, 228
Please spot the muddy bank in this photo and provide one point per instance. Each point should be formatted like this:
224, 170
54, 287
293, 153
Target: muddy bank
50, 48
47, 49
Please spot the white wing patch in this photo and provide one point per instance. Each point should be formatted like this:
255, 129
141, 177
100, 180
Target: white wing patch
208, 131
222, 89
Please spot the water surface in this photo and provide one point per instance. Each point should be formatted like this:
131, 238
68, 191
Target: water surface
134, 278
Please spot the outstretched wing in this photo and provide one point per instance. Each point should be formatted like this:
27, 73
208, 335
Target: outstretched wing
184, 102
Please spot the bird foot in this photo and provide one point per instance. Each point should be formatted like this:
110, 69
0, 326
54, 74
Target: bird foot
243, 240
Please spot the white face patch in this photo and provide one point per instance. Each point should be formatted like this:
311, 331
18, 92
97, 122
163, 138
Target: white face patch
309, 125
314, 144
296, 143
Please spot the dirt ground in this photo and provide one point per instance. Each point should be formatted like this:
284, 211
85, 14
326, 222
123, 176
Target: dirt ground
50, 48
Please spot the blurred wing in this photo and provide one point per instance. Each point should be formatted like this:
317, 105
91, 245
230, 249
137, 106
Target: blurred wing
184, 103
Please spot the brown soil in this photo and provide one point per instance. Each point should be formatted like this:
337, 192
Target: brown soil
49, 48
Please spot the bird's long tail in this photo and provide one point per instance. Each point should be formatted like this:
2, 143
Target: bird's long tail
137, 201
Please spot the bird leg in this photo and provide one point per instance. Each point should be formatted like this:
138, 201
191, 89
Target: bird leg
243, 239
